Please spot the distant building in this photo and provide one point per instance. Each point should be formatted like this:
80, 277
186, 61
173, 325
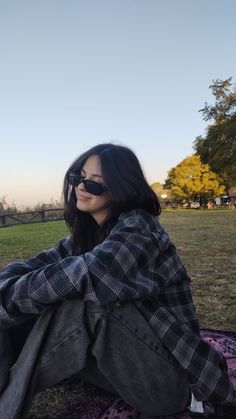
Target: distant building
227, 200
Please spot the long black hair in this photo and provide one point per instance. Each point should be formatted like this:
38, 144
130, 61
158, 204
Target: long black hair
127, 187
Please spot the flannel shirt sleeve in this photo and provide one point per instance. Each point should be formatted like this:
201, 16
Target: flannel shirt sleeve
114, 270
13, 271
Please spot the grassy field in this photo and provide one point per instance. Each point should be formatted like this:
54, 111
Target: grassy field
206, 241
23, 241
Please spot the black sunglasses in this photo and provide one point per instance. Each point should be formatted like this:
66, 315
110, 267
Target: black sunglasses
91, 187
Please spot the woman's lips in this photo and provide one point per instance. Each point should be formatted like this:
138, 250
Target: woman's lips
82, 197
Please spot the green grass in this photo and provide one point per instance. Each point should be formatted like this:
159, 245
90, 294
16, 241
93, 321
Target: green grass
20, 242
205, 240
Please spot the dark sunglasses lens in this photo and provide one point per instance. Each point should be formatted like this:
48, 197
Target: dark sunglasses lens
93, 187
74, 179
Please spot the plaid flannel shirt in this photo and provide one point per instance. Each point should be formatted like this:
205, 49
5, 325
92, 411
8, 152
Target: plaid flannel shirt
136, 261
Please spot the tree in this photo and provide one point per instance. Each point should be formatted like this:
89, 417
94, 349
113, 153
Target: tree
218, 147
157, 187
192, 180
162, 194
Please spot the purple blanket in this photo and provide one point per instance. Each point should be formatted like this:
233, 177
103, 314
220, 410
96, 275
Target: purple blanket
102, 405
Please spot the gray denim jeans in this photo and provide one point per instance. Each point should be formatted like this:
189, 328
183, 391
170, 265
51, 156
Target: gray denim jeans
110, 346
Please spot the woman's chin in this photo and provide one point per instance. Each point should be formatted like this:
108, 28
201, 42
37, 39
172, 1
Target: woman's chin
81, 205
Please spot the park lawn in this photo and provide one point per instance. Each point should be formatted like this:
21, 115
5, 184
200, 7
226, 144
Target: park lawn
22, 241
205, 240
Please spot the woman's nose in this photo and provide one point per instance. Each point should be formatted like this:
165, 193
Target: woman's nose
81, 186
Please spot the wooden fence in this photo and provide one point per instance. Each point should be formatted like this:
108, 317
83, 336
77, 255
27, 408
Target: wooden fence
9, 219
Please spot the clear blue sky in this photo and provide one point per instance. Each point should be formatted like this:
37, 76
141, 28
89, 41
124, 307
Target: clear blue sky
76, 73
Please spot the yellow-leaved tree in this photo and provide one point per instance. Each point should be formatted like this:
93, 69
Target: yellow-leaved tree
193, 180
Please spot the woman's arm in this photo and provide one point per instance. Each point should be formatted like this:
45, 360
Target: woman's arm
120, 268
12, 272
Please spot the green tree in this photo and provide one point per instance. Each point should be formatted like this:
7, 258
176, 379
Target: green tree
218, 147
192, 180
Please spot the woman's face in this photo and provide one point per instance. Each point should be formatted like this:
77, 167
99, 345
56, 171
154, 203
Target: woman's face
96, 205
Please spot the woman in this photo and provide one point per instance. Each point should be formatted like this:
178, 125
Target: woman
111, 302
